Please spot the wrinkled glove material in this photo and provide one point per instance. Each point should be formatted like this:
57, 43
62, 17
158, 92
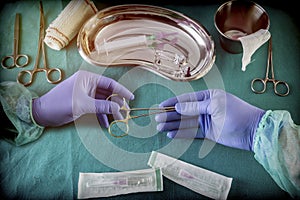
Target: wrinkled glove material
215, 115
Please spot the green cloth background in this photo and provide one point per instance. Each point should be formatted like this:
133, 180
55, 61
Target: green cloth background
49, 167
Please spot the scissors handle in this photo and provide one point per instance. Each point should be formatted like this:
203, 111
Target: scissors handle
26, 75
50, 71
20, 60
30, 73
276, 83
262, 82
116, 124
284, 85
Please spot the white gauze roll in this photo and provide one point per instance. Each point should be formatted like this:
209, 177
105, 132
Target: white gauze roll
68, 23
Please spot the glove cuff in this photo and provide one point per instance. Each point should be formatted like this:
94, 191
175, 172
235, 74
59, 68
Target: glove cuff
35, 113
259, 117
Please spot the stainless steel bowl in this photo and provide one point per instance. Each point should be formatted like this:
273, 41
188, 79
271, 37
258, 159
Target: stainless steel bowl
188, 53
238, 18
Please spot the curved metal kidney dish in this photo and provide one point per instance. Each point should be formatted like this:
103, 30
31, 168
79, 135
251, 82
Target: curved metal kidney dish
157, 39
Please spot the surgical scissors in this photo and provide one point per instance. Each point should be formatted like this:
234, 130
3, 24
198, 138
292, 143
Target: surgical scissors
45, 69
16, 59
272, 79
129, 117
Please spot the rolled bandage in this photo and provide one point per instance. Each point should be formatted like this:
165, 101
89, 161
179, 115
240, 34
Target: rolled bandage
68, 23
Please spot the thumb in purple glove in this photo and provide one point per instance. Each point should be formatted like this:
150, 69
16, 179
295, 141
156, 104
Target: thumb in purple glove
84, 92
219, 116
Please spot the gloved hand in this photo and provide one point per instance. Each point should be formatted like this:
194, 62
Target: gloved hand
83, 92
215, 115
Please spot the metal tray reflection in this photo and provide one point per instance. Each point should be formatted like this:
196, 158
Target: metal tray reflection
157, 39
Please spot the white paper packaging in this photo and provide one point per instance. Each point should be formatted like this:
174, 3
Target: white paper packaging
200, 180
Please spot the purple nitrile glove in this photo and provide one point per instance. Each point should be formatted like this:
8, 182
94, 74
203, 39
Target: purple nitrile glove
215, 115
84, 92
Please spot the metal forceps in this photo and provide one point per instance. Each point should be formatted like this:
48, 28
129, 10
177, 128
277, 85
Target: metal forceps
16, 59
36, 69
272, 79
129, 117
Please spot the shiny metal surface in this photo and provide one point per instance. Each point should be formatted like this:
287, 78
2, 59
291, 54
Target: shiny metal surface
16, 59
276, 83
26, 77
236, 18
185, 53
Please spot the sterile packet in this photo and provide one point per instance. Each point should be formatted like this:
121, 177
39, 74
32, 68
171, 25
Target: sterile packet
92, 185
200, 180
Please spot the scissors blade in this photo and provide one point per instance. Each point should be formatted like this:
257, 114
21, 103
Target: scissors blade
270, 59
16, 34
42, 22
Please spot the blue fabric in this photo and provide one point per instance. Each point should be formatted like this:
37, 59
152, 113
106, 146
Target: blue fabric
16, 102
276, 147
49, 167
